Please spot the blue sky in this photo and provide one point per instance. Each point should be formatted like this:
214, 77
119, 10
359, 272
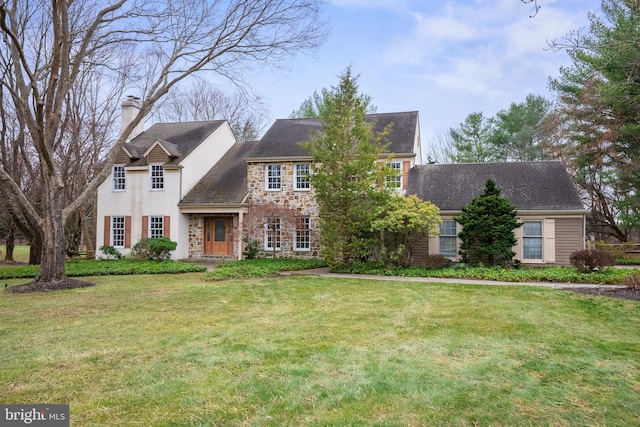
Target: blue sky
445, 59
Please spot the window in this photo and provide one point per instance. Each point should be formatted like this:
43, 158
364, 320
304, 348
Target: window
448, 239
302, 172
274, 177
157, 177
156, 226
532, 240
117, 231
394, 177
302, 236
118, 178
273, 235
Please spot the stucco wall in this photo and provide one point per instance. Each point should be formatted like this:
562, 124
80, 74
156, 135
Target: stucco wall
137, 200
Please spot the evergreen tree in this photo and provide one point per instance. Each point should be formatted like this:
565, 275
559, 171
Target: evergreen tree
471, 140
348, 185
488, 224
602, 89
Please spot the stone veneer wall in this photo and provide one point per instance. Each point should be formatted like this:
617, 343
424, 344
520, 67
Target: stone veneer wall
196, 236
302, 202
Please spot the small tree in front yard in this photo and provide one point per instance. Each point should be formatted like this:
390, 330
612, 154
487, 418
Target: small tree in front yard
488, 223
272, 224
401, 222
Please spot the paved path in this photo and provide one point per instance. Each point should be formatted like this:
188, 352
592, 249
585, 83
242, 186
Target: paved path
324, 272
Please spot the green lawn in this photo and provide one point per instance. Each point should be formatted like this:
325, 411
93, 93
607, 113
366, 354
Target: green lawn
176, 350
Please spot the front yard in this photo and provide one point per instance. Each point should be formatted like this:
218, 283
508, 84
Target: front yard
177, 350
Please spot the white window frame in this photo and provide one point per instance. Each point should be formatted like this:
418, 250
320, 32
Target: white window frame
301, 179
119, 175
529, 238
156, 226
156, 177
394, 181
448, 237
117, 231
268, 237
302, 236
273, 177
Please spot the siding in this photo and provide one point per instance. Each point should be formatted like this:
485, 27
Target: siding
157, 155
420, 252
122, 158
569, 238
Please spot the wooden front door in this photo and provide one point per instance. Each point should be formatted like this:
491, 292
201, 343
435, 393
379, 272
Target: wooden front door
217, 236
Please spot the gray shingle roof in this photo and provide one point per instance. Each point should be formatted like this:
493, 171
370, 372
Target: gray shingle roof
226, 182
528, 185
183, 137
284, 137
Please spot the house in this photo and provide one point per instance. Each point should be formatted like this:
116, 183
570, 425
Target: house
278, 171
151, 175
192, 182
542, 193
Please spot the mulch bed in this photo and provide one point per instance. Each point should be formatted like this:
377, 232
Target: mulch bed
603, 291
49, 286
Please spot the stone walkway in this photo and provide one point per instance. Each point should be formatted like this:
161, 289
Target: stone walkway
324, 272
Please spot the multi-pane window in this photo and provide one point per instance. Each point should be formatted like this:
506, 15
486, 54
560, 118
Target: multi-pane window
273, 235
157, 177
117, 231
274, 177
302, 237
532, 240
448, 239
156, 226
118, 178
393, 179
301, 177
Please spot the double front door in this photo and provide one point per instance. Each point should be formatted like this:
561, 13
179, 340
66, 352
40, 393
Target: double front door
217, 236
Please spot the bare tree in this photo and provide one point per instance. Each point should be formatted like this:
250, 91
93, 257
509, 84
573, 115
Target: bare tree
441, 148
204, 101
47, 46
272, 225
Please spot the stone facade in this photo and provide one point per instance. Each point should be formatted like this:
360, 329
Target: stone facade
196, 236
287, 203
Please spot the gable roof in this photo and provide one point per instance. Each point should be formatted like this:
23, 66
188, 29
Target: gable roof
226, 181
544, 185
177, 139
284, 137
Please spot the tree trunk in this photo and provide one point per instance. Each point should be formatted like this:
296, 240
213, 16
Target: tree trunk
10, 242
53, 243
35, 248
87, 236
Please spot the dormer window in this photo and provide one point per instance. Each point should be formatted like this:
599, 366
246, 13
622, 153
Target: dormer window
119, 181
156, 174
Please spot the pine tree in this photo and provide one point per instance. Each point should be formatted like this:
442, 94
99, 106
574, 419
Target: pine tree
348, 184
488, 224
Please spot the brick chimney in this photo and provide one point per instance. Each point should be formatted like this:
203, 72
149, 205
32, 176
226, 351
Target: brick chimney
130, 108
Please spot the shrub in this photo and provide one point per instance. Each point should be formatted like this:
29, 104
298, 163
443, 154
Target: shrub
632, 282
588, 260
253, 247
110, 252
158, 249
